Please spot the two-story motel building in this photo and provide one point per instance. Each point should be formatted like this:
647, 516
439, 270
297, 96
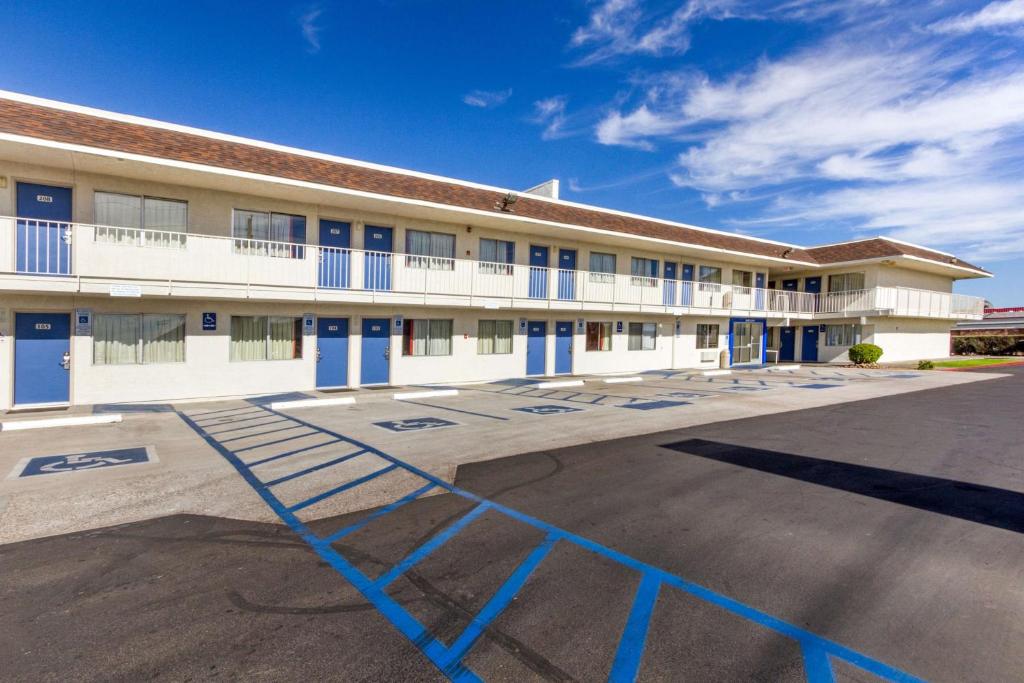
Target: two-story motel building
145, 261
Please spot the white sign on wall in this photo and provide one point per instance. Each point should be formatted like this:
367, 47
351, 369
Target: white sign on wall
133, 291
83, 322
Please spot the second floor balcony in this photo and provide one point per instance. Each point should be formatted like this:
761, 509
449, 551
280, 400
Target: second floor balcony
75, 257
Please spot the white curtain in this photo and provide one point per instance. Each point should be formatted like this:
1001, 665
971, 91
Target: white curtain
440, 338
710, 274
742, 278
503, 336
248, 337
285, 338
846, 282
485, 337
251, 225
417, 336
163, 339
165, 214
114, 212
115, 339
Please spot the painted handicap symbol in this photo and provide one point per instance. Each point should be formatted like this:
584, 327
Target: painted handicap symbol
415, 424
74, 462
547, 409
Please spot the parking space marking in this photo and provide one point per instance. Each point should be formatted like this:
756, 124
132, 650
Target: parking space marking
548, 410
817, 386
79, 462
455, 410
654, 405
449, 659
415, 424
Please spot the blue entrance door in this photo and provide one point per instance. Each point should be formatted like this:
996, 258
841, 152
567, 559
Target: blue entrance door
669, 295
812, 285
42, 344
331, 352
44, 230
335, 255
563, 347
376, 351
787, 343
536, 347
687, 284
538, 272
809, 344
567, 274
378, 243
789, 285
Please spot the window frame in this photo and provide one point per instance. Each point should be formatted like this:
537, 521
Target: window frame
495, 267
748, 278
140, 343
637, 274
494, 337
409, 328
163, 237
429, 261
703, 271
602, 275
297, 340
851, 332
599, 326
259, 246
845, 278
642, 337
705, 337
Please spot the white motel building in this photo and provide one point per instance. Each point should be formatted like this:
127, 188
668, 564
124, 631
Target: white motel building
147, 261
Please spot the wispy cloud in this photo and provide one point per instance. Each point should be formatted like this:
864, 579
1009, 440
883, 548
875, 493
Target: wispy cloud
485, 99
994, 16
310, 27
550, 113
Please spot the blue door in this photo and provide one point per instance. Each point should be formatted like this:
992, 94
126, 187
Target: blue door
787, 344
759, 292
789, 285
44, 230
669, 296
567, 274
809, 344
376, 351
335, 255
687, 284
42, 369
563, 347
536, 347
538, 272
812, 285
378, 242
331, 352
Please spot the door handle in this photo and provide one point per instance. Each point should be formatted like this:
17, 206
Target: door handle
65, 361
387, 353
318, 354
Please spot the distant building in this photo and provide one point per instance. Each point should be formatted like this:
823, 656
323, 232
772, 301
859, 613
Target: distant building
996, 322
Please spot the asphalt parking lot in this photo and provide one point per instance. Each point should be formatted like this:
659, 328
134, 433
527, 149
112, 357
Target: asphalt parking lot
878, 532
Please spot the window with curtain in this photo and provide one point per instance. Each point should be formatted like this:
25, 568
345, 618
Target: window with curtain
846, 282
427, 338
707, 336
494, 337
132, 339
497, 256
264, 233
842, 335
602, 267
120, 217
260, 337
644, 271
599, 336
710, 275
434, 250
742, 278
643, 336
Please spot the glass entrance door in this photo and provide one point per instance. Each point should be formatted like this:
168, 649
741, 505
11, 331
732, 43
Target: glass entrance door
746, 343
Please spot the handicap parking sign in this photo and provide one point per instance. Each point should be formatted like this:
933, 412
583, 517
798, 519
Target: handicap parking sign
209, 322
75, 462
548, 410
415, 424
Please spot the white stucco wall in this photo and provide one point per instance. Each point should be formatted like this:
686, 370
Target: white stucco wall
904, 339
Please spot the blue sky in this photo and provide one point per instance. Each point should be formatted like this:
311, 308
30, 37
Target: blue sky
808, 121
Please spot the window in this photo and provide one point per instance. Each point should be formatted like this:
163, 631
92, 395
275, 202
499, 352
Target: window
599, 336
707, 336
494, 337
133, 339
263, 337
602, 267
842, 335
427, 338
264, 233
642, 336
846, 282
742, 278
497, 256
133, 219
709, 274
644, 271
434, 250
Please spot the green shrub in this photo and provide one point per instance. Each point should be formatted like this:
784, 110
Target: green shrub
865, 354
926, 365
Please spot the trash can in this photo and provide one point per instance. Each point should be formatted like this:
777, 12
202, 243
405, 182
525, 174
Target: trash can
723, 359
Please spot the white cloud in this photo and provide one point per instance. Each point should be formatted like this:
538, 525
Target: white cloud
311, 29
995, 15
485, 99
550, 113
632, 129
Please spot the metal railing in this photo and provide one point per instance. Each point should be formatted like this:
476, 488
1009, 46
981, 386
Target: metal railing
109, 252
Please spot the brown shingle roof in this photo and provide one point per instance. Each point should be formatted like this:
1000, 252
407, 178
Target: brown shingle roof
879, 247
59, 125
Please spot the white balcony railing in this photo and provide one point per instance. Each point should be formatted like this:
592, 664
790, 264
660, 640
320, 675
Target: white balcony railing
188, 261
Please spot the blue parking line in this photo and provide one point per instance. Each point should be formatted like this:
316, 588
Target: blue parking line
430, 546
434, 650
288, 454
631, 645
314, 468
351, 528
817, 666
338, 489
274, 443
251, 436
498, 602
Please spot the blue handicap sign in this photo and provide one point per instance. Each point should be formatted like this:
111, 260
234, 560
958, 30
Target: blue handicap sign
209, 322
548, 409
744, 388
415, 424
685, 394
75, 462
653, 405
817, 386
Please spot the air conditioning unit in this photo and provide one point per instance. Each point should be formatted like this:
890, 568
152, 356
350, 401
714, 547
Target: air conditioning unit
708, 356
